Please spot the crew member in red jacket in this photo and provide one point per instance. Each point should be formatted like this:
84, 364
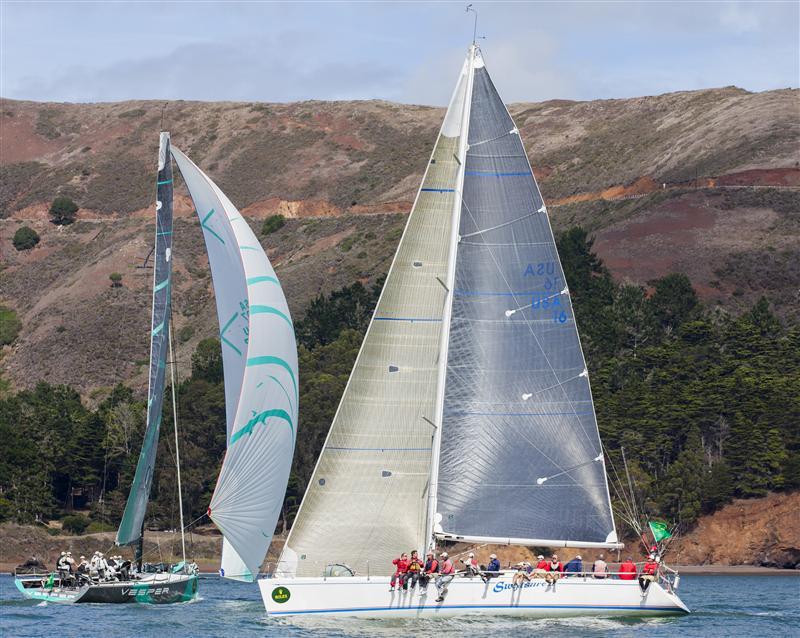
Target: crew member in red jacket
401, 567
555, 569
627, 570
648, 574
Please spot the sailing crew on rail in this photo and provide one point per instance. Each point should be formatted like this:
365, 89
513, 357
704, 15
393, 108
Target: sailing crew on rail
431, 567
492, 569
470, 565
414, 571
401, 567
627, 570
554, 569
542, 567
574, 567
649, 572
446, 574
600, 568
62, 567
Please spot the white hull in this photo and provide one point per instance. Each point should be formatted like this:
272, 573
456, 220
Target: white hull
370, 598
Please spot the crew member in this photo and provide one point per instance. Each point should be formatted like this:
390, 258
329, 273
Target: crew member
492, 569
401, 567
446, 574
600, 568
431, 567
627, 570
413, 572
575, 566
648, 574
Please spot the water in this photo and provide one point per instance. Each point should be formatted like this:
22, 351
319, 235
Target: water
762, 606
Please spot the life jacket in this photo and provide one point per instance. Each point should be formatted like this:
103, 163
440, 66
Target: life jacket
627, 571
558, 567
402, 565
431, 566
543, 564
415, 565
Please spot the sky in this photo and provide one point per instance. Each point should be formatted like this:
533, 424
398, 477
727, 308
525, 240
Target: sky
406, 52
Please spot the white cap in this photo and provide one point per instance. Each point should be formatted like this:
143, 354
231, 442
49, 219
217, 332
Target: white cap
540, 557
471, 555
492, 555
579, 557
443, 555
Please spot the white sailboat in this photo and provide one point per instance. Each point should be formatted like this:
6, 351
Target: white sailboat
468, 415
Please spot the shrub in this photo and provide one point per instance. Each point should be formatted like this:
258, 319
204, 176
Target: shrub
272, 224
185, 333
116, 280
25, 238
9, 326
63, 211
98, 526
75, 524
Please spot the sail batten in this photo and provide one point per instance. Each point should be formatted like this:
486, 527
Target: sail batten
131, 525
520, 453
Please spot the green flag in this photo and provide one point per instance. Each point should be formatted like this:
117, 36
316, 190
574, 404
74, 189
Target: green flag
660, 531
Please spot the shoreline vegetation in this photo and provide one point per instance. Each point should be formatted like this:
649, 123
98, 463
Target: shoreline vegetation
704, 404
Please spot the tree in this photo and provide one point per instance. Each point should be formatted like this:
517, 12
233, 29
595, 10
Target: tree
25, 238
116, 280
682, 487
207, 361
63, 211
272, 224
9, 326
674, 300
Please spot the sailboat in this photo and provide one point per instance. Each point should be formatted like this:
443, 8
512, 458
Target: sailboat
261, 400
468, 415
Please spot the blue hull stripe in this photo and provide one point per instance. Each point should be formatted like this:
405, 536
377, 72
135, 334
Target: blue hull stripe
438, 607
438, 190
380, 449
462, 413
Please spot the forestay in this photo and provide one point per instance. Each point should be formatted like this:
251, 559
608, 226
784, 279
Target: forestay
520, 455
130, 528
261, 378
367, 499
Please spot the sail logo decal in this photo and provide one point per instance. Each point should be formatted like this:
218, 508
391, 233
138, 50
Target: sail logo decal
281, 595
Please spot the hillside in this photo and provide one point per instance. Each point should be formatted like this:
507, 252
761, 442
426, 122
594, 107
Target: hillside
703, 182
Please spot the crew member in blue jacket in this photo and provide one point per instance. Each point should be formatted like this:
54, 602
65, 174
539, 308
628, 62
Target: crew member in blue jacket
574, 567
492, 569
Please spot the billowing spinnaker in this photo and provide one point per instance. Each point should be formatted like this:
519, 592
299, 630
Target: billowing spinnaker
368, 496
261, 377
130, 527
520, 454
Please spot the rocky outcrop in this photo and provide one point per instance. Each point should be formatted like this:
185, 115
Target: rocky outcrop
763, 531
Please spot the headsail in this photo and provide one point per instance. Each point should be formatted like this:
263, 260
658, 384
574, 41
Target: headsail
130, 528
367, 498
520, 455
261, 378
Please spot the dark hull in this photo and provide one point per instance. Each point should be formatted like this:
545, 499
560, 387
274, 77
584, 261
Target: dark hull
158, 589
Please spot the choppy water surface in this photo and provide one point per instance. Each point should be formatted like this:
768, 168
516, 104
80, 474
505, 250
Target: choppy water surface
762, 606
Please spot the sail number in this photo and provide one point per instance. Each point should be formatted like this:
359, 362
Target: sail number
547, 300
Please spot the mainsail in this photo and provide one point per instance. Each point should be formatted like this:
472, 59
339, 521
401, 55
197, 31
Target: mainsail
368, 496
130, 528
520, 459
261, 378
468, 413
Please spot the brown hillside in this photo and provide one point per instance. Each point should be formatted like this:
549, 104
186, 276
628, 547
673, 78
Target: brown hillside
344, 174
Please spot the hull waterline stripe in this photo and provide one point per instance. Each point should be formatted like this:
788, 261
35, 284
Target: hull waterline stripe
460, 413
438, 607
437, 190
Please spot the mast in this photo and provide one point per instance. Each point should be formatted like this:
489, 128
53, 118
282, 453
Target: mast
177, 446
444, 337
